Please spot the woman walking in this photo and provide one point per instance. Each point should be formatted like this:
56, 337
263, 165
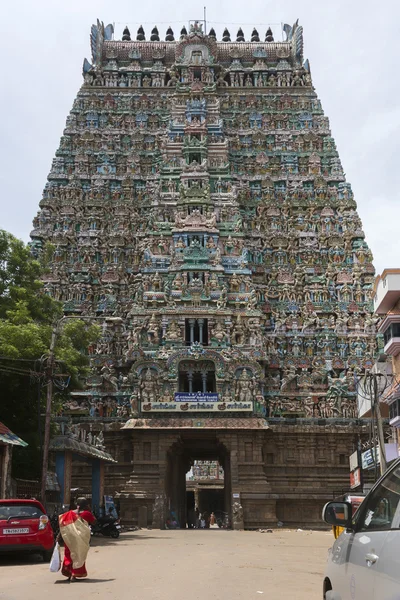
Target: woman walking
75, 532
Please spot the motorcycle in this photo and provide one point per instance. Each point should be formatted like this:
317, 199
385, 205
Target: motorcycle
107, 526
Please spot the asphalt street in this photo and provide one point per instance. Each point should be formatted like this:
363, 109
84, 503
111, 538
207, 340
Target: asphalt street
182, 565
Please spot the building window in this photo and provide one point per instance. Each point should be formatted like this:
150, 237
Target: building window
197, 57
270, 458
392, 332
196, 330
195, 156
197, 74
197, 376
343, 459
394, 410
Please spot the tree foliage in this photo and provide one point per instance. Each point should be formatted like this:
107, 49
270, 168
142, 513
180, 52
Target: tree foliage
27, 319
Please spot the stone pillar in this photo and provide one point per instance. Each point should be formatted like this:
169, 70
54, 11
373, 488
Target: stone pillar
204, 381
5, 471
190, 380
201, 323
182, 495
97, 483
191, 325
64, 475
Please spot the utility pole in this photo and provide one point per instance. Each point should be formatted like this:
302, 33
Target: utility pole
372, 388
379, 426
49, 397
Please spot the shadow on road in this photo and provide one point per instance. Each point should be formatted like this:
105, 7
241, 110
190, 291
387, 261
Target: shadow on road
14, 560
97, 541
86, 580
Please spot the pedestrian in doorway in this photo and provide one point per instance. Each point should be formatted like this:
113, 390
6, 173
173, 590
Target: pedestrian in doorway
212, 519
75, 533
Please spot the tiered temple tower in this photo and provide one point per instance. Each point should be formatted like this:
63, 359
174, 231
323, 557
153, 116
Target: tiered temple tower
197, 202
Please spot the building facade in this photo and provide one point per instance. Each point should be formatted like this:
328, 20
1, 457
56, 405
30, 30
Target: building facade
198, 204
387, 307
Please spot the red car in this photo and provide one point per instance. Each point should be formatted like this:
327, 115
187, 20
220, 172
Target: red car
25, 527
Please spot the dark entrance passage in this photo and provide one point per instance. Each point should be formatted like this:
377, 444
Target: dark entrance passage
198, 475
212, 501
190, 500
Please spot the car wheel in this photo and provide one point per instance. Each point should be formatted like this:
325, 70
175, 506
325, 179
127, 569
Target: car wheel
46, 555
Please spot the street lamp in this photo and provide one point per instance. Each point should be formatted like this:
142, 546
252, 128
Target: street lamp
49, 373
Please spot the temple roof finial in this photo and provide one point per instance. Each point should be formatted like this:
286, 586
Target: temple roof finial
254, 35
269, 37
126, 35
240, 35
212, 33
183, 31
169, 37
140, 34
226, 36
154, 35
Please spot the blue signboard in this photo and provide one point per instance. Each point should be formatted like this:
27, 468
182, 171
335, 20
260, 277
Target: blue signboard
195, 397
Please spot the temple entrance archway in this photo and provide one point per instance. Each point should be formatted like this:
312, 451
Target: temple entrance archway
211, 493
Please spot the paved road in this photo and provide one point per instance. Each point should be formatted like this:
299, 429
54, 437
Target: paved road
182, 565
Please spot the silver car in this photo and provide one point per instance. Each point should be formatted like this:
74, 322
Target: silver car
364, 561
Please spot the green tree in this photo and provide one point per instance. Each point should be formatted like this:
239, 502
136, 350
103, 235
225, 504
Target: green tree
27, 318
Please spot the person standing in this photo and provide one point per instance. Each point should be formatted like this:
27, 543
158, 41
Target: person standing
75, 533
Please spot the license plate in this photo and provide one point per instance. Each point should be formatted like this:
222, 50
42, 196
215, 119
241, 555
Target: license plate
118, 527
16, 531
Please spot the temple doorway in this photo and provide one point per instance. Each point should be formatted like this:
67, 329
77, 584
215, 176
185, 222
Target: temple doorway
205, 491
198, 476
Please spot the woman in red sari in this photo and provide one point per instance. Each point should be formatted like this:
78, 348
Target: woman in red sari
75, 532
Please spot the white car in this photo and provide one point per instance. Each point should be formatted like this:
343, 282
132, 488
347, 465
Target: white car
364, 561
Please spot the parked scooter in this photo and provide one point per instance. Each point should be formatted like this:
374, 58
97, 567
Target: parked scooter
107, 526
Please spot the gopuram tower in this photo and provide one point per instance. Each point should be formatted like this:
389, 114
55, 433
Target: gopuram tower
198, 204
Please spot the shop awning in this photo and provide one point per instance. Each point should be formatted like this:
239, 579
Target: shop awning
8, 437
62, 443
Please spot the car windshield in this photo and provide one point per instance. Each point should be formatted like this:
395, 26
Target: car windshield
22, 511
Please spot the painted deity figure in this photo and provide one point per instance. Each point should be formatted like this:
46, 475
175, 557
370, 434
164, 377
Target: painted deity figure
173, 331
153, 330
244, 387
148, 386
218, 333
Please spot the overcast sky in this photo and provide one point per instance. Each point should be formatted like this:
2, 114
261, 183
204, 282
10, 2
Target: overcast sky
352, 45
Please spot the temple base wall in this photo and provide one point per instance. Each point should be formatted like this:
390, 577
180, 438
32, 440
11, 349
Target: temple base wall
285, 473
